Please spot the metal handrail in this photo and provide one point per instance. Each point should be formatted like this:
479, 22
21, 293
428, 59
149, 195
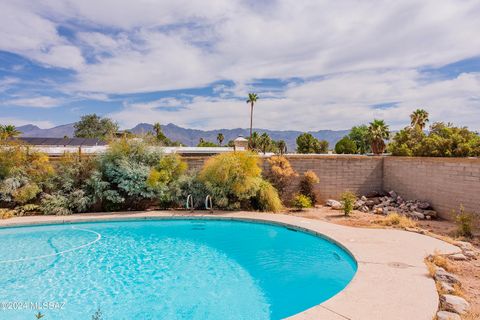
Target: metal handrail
189, 203
209, 203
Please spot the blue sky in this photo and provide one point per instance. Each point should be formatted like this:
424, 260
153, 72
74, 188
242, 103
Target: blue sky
315, 64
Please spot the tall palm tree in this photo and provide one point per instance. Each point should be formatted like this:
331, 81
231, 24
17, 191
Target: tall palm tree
220, 138
8, 131
419, 119
378, 132
264, 142
252, 99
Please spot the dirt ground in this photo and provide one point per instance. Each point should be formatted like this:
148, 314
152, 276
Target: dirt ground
467, 271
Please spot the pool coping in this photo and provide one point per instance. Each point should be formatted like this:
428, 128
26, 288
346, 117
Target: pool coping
391, 281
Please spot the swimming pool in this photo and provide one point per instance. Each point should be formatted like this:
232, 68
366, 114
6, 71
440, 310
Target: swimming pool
167, 269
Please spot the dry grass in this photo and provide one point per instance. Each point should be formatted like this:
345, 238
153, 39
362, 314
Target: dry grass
398, 221
430, 266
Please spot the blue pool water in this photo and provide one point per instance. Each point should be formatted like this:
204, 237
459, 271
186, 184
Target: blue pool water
173, 269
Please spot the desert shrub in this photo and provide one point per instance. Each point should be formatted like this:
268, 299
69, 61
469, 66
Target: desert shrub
465, 223
233, 179
63, 204
399, 221
346, 146
120, 181
301, 202
7, 213
307, 185
189, 184
164, 178
23, 174
267, 198
26, 209
348, 200
280, 173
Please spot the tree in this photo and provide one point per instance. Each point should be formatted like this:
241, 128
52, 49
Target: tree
206, 144
220, 138
252, 99
160, 136
346, 146
307, 143
254, 141
359, 135
8, 131
419, 119
265, 143
378, 132
93, 126
281, 147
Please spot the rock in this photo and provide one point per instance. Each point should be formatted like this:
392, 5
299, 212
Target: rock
417, 215
378, 211
470, 254
458, 257
430, 213
370, 203
372, 194
442, 275
446, 287
363, 198
393, 194
454, 303
464, 245
336, 205
423, 205
364, 209
358, 204
385, 211
445, 315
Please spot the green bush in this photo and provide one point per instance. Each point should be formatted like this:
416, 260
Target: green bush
268, 199
465, 222
346, 146
348, 200
301, 202
234, 181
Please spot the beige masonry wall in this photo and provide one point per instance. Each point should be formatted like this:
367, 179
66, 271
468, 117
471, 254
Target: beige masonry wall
339, 173
447, 183
444, 182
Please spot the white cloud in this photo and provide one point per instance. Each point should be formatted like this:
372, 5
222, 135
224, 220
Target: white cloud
34, 102
366, 52
337, 102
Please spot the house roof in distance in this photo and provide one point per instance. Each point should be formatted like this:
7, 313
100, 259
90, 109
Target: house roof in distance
73, 142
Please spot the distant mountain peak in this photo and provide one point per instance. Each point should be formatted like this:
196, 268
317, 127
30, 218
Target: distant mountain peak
190, 137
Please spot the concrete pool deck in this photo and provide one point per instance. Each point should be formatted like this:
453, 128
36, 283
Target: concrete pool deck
391, 282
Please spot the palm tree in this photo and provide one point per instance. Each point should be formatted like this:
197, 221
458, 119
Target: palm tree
282, 147
254, 141
220, 138
8, 131
252, 99
419, 119
264, 142
378, 132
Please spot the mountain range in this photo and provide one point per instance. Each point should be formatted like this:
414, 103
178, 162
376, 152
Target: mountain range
190, 137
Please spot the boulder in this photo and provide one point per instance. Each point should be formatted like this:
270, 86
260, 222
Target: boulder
358, 204
458, 257
378, 211
336, 205
416, 215
423, 205
442, 275
447, 288
430, 213
464, 245
393, 194
454, 303
445, 315
363, 198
